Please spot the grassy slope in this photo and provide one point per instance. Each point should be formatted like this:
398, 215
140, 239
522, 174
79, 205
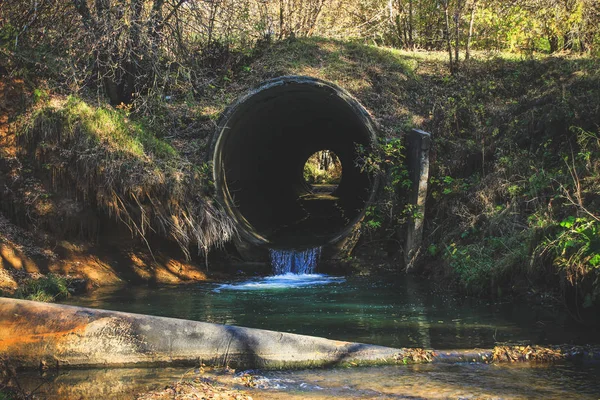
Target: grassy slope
70, 166
120, 167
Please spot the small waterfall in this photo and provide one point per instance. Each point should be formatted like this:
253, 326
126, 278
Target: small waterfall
294, 261
292, 269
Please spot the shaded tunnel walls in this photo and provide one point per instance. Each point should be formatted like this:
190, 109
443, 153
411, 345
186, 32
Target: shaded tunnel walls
259, 150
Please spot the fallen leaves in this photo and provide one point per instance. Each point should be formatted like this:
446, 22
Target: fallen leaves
197, 389
414, 356
527, 353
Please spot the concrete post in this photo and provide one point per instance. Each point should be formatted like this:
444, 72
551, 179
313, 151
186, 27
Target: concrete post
417, 159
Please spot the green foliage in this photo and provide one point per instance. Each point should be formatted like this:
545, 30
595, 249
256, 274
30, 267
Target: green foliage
447, 185
432, 250
575, 249
40, 96
323, 167
386, 159
373, 218
8, 33
486, 264
47, 289
516, 154
502, 125
6, 396
387, 153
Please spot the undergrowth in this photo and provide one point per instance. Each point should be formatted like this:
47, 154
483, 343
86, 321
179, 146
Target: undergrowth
514, 190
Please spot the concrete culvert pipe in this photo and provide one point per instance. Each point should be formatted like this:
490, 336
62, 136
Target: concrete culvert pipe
262, 143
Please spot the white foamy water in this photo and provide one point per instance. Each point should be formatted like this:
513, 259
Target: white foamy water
285, 281
291, 269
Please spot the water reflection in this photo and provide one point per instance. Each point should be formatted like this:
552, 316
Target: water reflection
391, 311
439, 381
431, 381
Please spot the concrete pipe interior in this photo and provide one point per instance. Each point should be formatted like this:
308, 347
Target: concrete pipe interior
262, 144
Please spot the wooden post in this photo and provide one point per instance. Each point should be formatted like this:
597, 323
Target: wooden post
417, 158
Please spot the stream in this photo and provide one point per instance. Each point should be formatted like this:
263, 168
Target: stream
420, 381
396, 311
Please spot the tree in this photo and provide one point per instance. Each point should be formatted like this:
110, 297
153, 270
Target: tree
470, 34
124, 38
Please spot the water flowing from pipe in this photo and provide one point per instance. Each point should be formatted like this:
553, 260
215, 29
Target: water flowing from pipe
291, 269
295, 261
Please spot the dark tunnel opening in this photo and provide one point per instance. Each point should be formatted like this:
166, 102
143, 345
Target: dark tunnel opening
259, 152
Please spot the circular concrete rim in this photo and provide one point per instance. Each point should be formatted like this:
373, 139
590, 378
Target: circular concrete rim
244, 229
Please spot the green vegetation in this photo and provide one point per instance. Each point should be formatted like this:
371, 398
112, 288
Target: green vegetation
105, 124
323, 167
391, 208
123, 169
5, 395
48, 289
515, 183
480, 266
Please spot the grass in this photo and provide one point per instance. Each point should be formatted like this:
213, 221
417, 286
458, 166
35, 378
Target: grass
112, 126
46, 289
6, 396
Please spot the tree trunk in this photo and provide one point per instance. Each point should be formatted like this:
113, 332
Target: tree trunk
133, 56
470, 36
316, 16
411, 43
156, 22
399, 31
447, 32
280, 19
108, 74
457, 14
553, 39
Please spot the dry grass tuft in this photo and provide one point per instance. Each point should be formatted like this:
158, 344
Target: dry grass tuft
123, 170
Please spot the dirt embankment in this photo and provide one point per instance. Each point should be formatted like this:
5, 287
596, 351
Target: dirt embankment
48, 224
26, 255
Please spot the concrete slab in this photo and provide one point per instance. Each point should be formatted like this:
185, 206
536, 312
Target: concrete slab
34, 334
